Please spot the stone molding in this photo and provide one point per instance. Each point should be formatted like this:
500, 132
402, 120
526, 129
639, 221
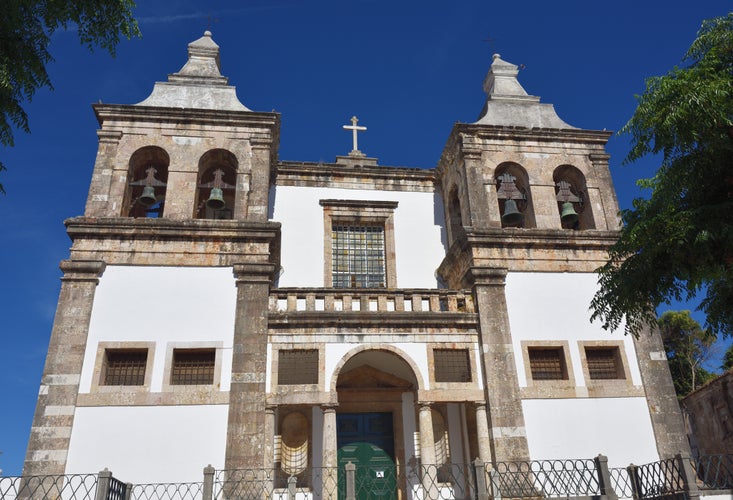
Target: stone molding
371, 319
82, 270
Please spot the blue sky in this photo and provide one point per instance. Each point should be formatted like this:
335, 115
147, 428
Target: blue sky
409, 70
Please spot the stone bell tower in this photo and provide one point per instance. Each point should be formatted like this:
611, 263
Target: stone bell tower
180, 182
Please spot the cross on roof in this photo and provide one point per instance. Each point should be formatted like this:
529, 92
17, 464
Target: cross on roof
355, 129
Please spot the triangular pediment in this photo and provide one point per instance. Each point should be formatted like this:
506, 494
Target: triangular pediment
365, 376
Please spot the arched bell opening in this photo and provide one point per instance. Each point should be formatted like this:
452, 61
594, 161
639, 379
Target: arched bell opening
513, 195
455, 217
147, 183
571, 193
216, 186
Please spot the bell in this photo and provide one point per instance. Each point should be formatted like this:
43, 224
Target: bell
568, 216
216, 199
512, 216
148, 197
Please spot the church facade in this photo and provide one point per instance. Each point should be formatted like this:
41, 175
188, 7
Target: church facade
222, 306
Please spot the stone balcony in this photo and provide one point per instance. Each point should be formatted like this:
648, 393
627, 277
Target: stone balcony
365, 307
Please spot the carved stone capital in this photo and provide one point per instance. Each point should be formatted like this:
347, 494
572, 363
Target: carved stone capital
82, 270
488, 276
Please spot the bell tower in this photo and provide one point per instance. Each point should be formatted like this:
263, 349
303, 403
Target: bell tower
179, 192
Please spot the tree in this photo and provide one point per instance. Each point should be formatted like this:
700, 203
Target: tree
687, 346
728, 359
678, 243
26, 27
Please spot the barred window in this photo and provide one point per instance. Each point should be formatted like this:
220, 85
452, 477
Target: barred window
604, 363
357, 256
547, 363
452, 365
193, 366
297, 366
125, 366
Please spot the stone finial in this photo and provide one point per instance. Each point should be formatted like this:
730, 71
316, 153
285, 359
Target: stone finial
199, 84
508, 104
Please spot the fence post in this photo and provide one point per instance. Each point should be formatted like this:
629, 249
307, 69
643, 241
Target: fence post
482, 490
208, 487
103, 479
689, 479
604, 477
350, 481
636, 490
292, 489
128, 490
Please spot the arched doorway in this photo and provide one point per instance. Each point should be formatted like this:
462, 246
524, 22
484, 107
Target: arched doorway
375, 421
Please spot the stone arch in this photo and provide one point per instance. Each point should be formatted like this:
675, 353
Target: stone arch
400, 354
570, 187
520, 187
217, 170
147, 180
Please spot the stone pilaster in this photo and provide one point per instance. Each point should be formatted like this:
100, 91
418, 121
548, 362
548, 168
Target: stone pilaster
102, 202
602, 179
478, 203
664, 409
260, 182
246, 446
501, 387
427, 441
269, 432
52, 422
482, 429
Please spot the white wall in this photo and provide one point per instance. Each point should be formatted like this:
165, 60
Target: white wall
144, 444
619, 428
161, 305
418, 221
554, 306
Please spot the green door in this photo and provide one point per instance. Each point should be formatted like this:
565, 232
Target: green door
367, 441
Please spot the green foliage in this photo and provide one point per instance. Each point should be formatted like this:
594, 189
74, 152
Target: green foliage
687, 346
678, 243
26, 27
728, 359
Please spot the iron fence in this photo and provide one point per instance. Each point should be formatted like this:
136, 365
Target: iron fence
671, 478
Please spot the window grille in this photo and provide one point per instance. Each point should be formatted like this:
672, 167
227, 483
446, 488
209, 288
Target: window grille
297, 366
547, 363
603, 363
193, 367
125, 367
452, 365
357, 256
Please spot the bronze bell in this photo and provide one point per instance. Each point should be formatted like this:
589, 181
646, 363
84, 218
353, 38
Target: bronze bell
568, 216
512, 216
216, 199
148, 197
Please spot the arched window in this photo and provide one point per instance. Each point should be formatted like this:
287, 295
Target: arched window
147, 181
512, 192
455, 218
572, 198
216, 187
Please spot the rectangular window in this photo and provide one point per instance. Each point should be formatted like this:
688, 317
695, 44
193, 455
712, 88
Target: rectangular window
125, 366
452, 365
193, 367
547, 363
357, 256
297, 366
604, 363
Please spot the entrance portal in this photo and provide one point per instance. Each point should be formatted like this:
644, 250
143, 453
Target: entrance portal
367, 441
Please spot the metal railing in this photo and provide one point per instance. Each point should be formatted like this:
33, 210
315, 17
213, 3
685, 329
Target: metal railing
574, 478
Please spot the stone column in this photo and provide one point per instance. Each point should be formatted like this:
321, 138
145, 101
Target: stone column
245, 439
269, 432
664, 409
508, 436
428, 469
54, 417
482, 429
330, 453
